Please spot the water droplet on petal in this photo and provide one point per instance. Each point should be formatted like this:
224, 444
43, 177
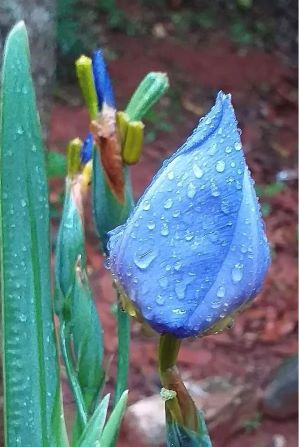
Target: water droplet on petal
178, 311
225, 206
197, 171
220, 166
237, 273
237, 146
176, 213
163, 282
191, 191
144, 259
188, 235
164, 230
151, 225
146, 205
168, 204
160, 300
180, 290
221, 292
177, 265
170, 175
214, 190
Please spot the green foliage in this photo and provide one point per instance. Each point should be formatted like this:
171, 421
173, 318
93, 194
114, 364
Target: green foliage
267, 192
117, 20
77, 31
56, 164
32, 406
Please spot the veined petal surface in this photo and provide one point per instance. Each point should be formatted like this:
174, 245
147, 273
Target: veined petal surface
194, 249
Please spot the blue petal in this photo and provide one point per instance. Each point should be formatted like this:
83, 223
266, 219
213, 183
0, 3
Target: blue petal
102, 80
87, 149
194, 248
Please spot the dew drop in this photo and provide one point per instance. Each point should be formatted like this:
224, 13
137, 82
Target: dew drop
221, 292
165, 229
160, 300
151, 225
170, 175
225, 206
163, 282
191, 191
23, 203
197, 171
178, 311
188, 236
214, 190
216, 304
144, 259
237, 146
146, 205
212, 149
180, 290
220, 166
177, 265
176, 213
228, 150
22, 318
237, 273
168, 203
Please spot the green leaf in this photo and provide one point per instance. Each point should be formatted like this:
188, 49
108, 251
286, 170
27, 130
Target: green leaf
32, 405
93, 430
112, 426
56, 164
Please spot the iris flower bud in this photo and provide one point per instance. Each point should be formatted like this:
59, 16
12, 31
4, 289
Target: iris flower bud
194, 249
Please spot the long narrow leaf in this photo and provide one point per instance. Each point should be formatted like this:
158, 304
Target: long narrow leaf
112, 426
93, 431
32, 405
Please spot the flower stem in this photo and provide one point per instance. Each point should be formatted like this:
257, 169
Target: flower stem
64, 334
180, 408
123, 320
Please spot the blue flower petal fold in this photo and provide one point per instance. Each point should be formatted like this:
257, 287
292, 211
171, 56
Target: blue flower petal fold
86, 152
102, 81
194, 249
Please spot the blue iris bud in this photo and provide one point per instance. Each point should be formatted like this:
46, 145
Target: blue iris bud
86, 152
194, 249
102, 81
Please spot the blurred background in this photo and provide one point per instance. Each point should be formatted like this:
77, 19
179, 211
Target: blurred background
245, 378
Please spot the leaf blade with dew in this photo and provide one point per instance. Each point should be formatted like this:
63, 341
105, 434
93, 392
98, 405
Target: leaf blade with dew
33, 412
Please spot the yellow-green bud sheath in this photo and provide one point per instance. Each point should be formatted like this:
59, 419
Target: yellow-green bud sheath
85, 76
132, 147
73, 156
122, 121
